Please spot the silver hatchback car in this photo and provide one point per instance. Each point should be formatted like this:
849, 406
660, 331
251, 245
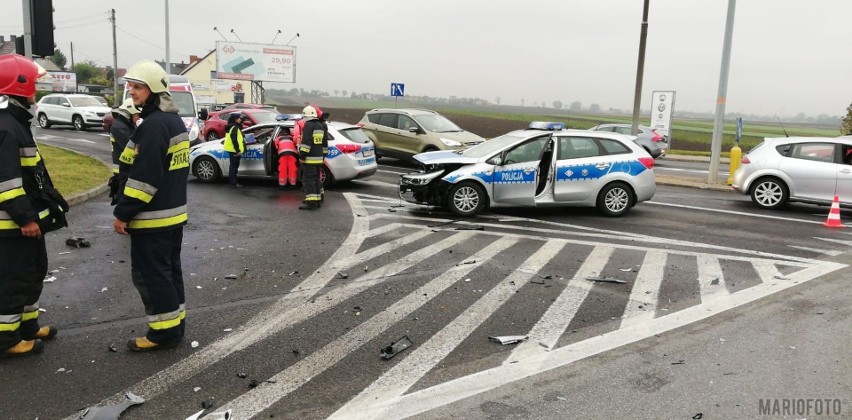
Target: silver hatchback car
805, 169
544, 166
653, 142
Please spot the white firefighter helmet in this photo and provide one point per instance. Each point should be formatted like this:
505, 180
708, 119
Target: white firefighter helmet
149, 73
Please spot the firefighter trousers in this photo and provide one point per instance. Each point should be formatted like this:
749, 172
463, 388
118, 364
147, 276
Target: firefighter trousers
157, 275
23, 265
311, 182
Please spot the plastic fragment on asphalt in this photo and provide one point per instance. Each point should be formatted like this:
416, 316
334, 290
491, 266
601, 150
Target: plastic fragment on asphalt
54, 271
509, 339
714, 281
698, 416
342, 275
231, 277
112, 412
196, 389
112, 348
605, 280
66, 252
222, 415
206, 404
228, 329
467, 262
242, 375
194, 344
103, 290
197, 287
78, 243
679, 362
626, 270
42, 310
60, 370
397, 347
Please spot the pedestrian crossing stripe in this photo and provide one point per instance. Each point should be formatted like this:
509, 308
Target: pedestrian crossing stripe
389, 396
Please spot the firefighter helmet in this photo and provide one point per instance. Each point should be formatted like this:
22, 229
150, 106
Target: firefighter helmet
129, 106
18, 75
149, 73
309, 112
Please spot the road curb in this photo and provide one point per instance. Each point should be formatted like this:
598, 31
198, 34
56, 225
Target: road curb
691, 183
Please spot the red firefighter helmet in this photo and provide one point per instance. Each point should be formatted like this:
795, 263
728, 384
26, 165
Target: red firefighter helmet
18, 75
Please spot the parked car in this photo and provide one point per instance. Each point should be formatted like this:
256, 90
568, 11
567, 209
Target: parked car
543, 166
214, 125
653, 142
81, 111
403, 133
805, 169
351, 154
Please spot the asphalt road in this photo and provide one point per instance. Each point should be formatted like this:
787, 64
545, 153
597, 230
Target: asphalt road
720, 305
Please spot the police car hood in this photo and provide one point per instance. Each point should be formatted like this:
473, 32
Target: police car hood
444, 157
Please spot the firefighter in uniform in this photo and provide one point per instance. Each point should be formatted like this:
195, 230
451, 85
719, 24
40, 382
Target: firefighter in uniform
152, 207
235, 145
29, 208
312, 151
120, 132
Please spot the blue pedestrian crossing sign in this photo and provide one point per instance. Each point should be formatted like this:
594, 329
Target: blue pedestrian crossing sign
397, 89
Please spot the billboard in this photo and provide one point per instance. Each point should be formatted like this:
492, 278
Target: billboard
662, 108
59, 81
261, 62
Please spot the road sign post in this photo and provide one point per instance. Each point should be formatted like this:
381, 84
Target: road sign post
397, 90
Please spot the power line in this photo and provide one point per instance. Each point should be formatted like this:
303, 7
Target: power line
147, 42
72, 20
80, 24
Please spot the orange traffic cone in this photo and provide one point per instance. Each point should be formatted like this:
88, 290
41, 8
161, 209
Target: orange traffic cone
834, 215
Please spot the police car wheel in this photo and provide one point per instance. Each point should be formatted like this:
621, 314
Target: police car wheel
769, 193
466, 199
206, 169
615, 199
326, 178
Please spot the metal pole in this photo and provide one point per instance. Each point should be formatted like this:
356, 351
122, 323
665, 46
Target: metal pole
719, 121
72, 65
640, 70
115, 101
28, 27
168, 49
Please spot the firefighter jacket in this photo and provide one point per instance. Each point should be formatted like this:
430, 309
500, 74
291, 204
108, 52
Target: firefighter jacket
314, 144
26, 190
234, 141
119, 134
154, 197
285, 146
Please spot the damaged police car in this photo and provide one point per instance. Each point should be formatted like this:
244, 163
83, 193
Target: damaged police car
542, 166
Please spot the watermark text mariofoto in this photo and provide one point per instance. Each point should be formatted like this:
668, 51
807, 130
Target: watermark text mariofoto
800, 406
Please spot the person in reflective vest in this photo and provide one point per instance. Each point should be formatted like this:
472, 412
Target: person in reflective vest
235, 145
312, 152
120, 132
29, 208
287, 156
152, 207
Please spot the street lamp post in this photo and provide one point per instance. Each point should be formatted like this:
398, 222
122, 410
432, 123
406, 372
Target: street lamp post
721, 98
640, 71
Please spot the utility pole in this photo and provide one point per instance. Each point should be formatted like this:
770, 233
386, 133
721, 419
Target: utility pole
640, 71
28, 27
72, 65
115, 102
168, 49
721, 98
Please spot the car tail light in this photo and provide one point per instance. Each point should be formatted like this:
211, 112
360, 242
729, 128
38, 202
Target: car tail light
745, 160
657, 137
348, 148
648, 162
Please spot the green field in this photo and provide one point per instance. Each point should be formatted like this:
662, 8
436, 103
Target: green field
71, 172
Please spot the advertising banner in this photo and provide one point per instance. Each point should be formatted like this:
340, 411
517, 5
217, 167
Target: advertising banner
662, 109
60, 81
261, 62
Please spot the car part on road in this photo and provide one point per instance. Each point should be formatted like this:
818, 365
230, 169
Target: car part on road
509, 339
605, 280
112, 412
397, 347
78, 243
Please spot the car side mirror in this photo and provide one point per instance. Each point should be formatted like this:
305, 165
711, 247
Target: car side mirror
66, 105
414, 130
203, 114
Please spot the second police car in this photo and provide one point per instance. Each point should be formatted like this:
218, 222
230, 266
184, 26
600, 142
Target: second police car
351, 154
542, 166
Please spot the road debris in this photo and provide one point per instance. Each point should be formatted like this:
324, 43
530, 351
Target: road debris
509, 339
111, 412
222, 415
50, 279
78, 243
698, 416
606, 280
103, 290
195, 416
471, 227
397, 347
242, 375
228, 329
196, 389
194, 344
206, 404
112, 348
342, 275
714, 281
293, 272
679, 362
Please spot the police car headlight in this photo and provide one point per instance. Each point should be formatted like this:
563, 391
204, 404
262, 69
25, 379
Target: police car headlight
89, 113
450, 143
420, 179
193, 133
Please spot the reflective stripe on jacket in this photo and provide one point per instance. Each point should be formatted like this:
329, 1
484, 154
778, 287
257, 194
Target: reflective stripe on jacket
311, 150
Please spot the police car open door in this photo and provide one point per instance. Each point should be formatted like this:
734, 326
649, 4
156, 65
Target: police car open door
515, 180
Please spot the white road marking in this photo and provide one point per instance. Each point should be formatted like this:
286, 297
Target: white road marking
828, 252
549, 328
398, 379
711, 279
290, 379
739, 213
464, 387
835, 241
80, 140
646, 290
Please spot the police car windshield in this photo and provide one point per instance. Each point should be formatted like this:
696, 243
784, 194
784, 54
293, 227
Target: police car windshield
183, 100
436, 123
491, 146
263, 117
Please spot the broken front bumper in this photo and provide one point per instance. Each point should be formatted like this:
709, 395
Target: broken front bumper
419, 188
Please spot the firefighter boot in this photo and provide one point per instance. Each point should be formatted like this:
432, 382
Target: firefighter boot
143, 344
309, 205
24, 348
46, 333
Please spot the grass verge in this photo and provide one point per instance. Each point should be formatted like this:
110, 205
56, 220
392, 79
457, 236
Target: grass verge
71, 172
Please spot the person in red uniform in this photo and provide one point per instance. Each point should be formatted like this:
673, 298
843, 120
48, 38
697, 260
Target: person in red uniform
287, 156
29, 207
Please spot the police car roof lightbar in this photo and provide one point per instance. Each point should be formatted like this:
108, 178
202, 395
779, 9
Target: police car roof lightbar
546, 125
289, 117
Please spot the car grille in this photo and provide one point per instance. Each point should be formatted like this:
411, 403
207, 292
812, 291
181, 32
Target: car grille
101, 114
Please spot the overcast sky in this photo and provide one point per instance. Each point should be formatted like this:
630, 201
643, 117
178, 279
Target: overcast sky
788, 56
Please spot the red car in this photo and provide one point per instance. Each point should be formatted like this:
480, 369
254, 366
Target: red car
214, 126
